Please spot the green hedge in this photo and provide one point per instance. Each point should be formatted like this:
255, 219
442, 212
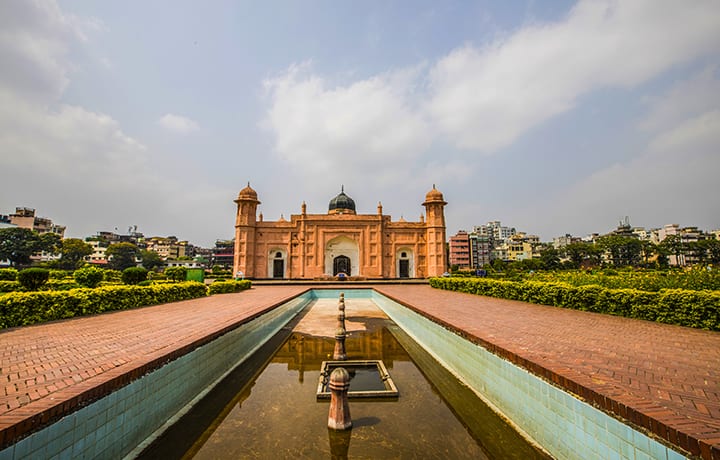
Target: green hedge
698, 309
224, 287
25, 308
10, 286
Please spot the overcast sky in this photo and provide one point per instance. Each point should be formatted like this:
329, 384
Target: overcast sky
553, 117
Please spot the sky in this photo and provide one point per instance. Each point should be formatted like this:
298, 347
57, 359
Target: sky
553, 117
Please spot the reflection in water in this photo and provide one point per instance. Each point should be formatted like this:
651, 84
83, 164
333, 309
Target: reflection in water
276, 414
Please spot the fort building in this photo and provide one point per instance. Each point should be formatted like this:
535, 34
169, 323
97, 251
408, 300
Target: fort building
339, 243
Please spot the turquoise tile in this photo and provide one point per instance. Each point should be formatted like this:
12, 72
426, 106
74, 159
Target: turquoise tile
641, 442
66, 454
8, 453
657, 450
673, 455
23, 448
38, 441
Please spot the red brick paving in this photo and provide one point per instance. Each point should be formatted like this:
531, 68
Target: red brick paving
663, 378
48, 370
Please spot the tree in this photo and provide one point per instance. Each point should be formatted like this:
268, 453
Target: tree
673, 245
713, 249
624, 250
50, 242
550, 258
582, 251
150, 259
122, 255
18, 244
73, 251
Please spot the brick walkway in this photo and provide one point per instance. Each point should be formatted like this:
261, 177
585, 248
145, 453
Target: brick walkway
48, 370
663, 378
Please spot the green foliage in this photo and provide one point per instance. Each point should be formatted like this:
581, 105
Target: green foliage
176, 273
33, 278
624, 250
122, 255
24, 308
8, 274
113, 276
60, 285
60, 274
18, 244
224, 287
10, 286
150, 259
73, 251
699, 309
134, 275
89, 277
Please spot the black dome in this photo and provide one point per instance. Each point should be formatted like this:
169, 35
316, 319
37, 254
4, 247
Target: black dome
342, 202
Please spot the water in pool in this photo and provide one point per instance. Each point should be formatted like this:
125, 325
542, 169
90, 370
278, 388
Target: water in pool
273, 412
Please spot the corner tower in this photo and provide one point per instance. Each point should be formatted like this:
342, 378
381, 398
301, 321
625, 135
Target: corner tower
245, 221
435, 232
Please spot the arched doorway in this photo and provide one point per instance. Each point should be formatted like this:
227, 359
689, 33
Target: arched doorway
276, 263
342, 264
405, 266
342, 254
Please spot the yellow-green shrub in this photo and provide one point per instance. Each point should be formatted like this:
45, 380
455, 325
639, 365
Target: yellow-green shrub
24, 308
224, 287
699, 309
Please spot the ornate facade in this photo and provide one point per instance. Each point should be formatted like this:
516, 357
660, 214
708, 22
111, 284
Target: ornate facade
313, 246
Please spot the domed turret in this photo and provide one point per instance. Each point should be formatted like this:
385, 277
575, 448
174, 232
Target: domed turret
247, 194
342, 204
434, 196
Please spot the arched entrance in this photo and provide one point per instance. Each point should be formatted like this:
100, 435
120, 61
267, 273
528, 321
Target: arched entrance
276, 263
342, 254
405, 266
342, 264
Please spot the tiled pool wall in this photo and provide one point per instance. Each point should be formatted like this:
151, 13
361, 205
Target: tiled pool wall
123, 422
563, 425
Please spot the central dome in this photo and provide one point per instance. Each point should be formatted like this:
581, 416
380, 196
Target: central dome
342, 204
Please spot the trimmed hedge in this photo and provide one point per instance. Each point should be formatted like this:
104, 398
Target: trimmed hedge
10, 286
698, 309
25, 308
8, 274
33, 278
224, 287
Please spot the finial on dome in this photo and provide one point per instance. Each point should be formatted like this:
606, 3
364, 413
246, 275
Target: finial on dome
342, 188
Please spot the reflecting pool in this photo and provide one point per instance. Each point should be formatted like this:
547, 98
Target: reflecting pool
268, 408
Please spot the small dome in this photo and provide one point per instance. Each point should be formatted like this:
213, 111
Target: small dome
247, 193
434, 195
342, 204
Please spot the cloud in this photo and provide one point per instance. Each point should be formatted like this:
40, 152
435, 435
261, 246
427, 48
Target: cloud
696, 94
75, 165
362, 125
485, 98
178, 124
670, 182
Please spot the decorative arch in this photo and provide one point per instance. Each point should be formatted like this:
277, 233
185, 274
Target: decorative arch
405, 263
277, 263
340, 252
